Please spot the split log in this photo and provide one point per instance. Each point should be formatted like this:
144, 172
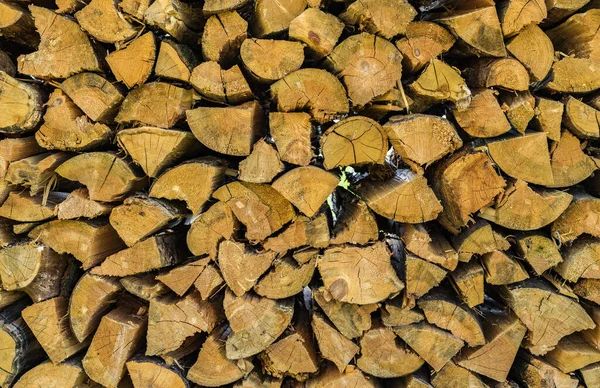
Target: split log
144, 286
210, 281
64, 48
502, 269
119, 336
219, 6
148, 372
355, 224
49, 322
287, 278
17, 25
155, 149
15, 149
330, 376
258, 206
292, 134
268, 60
537, 373
102, 20
273, 17
580, 217
133, 64
107, 177
454, 376
574, 75
223, 35
302, 231
90, 242
431, 246
262, 165
478, 239
79, 205
559, 10
504, 73
516, 14
175, 61
421, 276
578, 35
591, 374
69, 374
548, 117
570, 165
573, 353
539, 251
333, 346
210, 228
581, 119
533, 49
423, 42
163, 14
318, 30
94, 95
219, 85
256, 323
592, 336
588, 289
467, 279
414, 201
484, 117
36, 171
23, 207
400, 311
387, 19
581, 260
242, 267
440, 82
176, 183
24, 102
519, 109
181, 278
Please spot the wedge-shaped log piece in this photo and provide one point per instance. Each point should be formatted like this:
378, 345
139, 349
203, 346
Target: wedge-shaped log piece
7, 65
107, 177
268, 60
241, 267
559, 10
516, 14
69, 374
570, 165
581, 119
181, 278
256, 323
147, 255
538, 373
272, 17
539, 251
314, 90
454, 376
582, 216
548, 117
94, 95
219, 85
286, 279
478, 30
440, 82
213, 368
574, 75
171, 320
192, 182
350, 319
23, 207
355, 224
20, 105
222, 37
258, 379
429, 245
405, 197
17, 25
588, 289
424, 41
504, 334
89, 241
49, 322
545, 313
434, 345
210, 228
400, 311
34, 269
292, 134
119, 336
479, 239
353, 141
219, 6
258, 206
359, 275
156, 104
383, 356
369, 66
64, 48
34, 172
504, 73
230, 130
533, 49
168, 16
102, 20
67, 128
590, 375
175, 61
262, 165
502, 269
303, 231
468, 281
581, 260
79, 205
332, 377
133, 64
573, 353
149, 372
92, 297
385, 18
484, 117
318, 30
592, 336
139, 217
421, 276
519, 107
210, 281
579, 35
144, 286
13, 149
333, 346
422, 139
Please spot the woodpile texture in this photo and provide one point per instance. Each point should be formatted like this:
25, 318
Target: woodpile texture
300, 193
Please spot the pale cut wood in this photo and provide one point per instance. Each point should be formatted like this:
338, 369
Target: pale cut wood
424, 41
500, 269
175, 61
478, 239
133, 64
286, 279
591, 336
454, 376
209, 282
591, 374
302, 231
20, 105
36, 171
181, 278
570, 165
94, 95
107, 177
579, 35
516, 14
560, 9
318, 30
580, 217
574, 75
219, 6
64, 48
331, 377
573, 353
387, 18
272, 17
292, 134
421, 276
16, 24
333, 346
581, 260
13, 149
223, 35
79, 205
484, 117
242, 267
588, 289
534, 50
467, 279
519, 108
504, 73
210, 228
102, 20
147, 372
68, 6
440, 82
46, 374
355, 224
262, 165
581, 119
548, 117
214, 83
268, 60
539, 251
429, 245
165, 15
538, 373
22, 207
144, 286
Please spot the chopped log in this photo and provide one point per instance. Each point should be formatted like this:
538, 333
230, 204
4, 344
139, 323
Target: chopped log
431, 246
92, 297
573, 353
16, 24
534, 50
213, 368
454, 376
333, 346
484, 117
149, 372
502, 269
423, 42
355, 224
165, 15
478, 239
400, 311
133, 64
588, 289
471, 25
220, 6
69, 374
544, 313
175, 183
439, 83
272, 17
306, 89
581, 119
223, 35
421, 276
350, 319
302, 231
591, 374
287, 278
155, 104
414, 201
467, 279
262, 165
210, 228
64, 48
119, 336
352, 377
34, 269
503, 334
256, 323
219, 85
592, 336
306, 254
537, 373
578, 35
581, 260
23, 207
570, 165
144, 286
165, 146
383, 356
544, 207
504, 73
318, 30
15, 149
107, 177
90, 242
580, 217
548, 117
385, 18
516, 14
94, 95
215, 127
519, 108
181, 278
67, 128
292, 134
25, 227
369, 66
258, 206
79, 205
242, 267
465, 183
68, 6
422, 139
175, 61
176, 319
21, 108
147, 255
49, 322
539, 251
574, 75
36, 171
102, 20
209, 282
268, 60
359, 275
559, 10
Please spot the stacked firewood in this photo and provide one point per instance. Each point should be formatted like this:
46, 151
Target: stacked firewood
299, 193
